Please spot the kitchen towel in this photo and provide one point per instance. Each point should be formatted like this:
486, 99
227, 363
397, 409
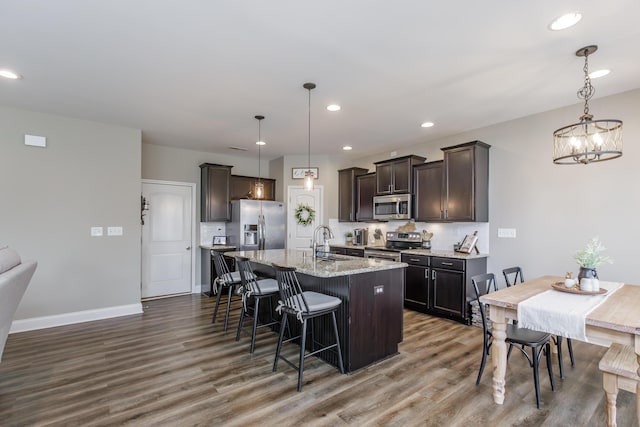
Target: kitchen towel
561, 313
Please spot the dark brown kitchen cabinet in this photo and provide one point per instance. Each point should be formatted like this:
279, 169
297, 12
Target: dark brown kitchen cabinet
214, 192
242, 187
450, 287
347, 203
465, 194
338, 250
416, 283
395, 175
365, 190
428, 181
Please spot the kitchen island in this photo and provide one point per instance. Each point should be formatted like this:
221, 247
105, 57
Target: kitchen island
370, 316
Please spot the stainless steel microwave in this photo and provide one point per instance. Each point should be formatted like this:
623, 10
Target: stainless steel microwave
396, 206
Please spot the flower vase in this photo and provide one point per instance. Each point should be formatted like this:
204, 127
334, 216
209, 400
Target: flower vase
587, 273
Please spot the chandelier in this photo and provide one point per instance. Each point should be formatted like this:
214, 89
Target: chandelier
588, 140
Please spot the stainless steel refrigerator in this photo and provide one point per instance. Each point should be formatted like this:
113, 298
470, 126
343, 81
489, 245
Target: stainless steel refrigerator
256, 224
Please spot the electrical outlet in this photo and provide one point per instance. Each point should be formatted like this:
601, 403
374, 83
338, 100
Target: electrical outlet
509, 233
114, 231
377, 290
96, 231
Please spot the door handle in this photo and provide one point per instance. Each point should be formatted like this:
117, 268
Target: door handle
188, 248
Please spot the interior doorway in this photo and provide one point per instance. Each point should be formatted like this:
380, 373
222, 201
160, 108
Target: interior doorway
299, 236
168, 235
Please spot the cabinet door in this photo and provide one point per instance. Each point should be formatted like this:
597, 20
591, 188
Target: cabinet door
448, 292
459, 188
384, 178
347, 193
416, 287
214, 193
428, 182
365, 190
337, 250
401, 176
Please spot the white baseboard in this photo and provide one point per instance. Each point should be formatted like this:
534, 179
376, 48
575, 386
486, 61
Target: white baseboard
43, 322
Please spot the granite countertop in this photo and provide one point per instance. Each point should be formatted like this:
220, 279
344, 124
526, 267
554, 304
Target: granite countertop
337, 265
444, 254
218, 247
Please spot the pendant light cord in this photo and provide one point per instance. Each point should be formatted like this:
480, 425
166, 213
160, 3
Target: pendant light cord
309, 134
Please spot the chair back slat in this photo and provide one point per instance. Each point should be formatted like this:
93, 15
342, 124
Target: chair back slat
483, 284
222, 269
249, 280
291, 296
512, 280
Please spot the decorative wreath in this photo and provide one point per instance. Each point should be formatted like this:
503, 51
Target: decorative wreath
305, 215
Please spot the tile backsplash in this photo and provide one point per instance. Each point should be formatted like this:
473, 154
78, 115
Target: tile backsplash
210, 229
444, 234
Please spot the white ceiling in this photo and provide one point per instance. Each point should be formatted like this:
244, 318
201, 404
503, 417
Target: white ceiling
194, 73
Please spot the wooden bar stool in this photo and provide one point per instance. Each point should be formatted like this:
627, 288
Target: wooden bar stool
619, 368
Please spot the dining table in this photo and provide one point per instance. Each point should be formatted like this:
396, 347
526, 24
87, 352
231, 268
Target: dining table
615, 320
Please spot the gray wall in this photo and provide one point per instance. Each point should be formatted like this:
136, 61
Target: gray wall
88, 175
556, 209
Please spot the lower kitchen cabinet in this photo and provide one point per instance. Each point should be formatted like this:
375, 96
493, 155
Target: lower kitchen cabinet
416, 282
440, 285
341, 250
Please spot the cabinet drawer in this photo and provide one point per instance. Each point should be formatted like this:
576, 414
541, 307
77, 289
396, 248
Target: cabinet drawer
416, 259
448, 263
355, 252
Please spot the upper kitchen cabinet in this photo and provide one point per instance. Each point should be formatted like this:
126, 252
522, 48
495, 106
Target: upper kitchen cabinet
242, 187
465, 194
394, 176
365, 190
214, 192
428, 181
347, 203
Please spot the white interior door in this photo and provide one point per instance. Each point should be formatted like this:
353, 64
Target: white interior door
167, 240
300, 236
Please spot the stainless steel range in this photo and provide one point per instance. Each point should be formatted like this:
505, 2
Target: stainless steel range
396, 242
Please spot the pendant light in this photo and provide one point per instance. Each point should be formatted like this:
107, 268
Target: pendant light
258, 190
588, 140
308, 175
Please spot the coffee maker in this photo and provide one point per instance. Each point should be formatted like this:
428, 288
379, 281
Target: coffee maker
361, 236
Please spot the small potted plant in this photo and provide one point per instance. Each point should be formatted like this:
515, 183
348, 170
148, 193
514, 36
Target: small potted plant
348, 238
590, 258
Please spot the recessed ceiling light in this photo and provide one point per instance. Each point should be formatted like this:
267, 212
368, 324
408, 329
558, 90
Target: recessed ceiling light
427, 124
333, 107
565, 21
599, 73
347, 148
261, 143
8, 74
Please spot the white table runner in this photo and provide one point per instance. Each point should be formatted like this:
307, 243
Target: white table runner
561, 313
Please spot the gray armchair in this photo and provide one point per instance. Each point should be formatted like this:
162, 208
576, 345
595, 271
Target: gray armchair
14, 278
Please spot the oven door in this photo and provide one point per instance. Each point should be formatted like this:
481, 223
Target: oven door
385, 255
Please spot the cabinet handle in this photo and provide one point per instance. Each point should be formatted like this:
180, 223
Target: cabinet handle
426, 273
433, 275
447, 263
414, 260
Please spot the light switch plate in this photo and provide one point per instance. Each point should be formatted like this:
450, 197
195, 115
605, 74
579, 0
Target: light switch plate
96, 231
114, 231
35, 141
509, 233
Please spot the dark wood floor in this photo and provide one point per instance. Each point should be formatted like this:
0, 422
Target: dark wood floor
170, 366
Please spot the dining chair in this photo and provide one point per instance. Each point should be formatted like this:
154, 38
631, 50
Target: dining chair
256, 289
225, 280
511, 276
304, 306
516, 337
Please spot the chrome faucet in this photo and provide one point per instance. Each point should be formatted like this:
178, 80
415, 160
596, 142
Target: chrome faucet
326, 234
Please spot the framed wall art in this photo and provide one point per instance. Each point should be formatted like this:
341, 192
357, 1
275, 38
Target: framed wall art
298, 173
